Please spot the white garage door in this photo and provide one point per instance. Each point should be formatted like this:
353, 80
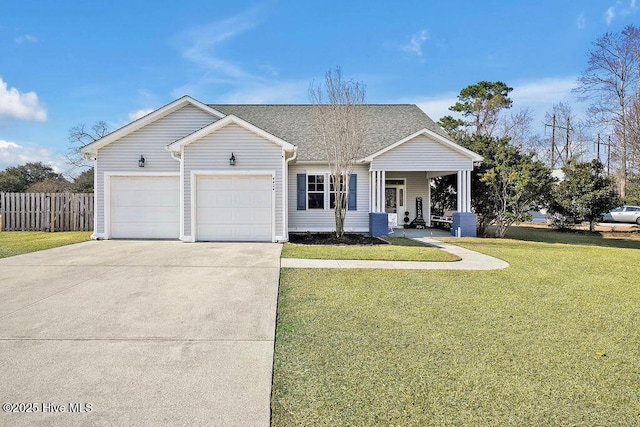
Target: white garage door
234, 208
145, 207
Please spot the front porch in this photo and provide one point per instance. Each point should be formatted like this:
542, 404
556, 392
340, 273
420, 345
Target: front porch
408, 194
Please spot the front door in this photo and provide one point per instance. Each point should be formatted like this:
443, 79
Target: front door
394, 195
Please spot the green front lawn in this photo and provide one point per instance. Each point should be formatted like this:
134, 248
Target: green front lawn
400, 249
21, 242
551, 340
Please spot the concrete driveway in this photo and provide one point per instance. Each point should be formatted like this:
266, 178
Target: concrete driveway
139, 333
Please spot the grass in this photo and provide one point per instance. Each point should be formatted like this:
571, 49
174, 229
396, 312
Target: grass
400, 249
551, 340
21, 242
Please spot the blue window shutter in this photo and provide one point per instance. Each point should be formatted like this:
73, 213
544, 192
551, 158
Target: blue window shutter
353, 191
302, 191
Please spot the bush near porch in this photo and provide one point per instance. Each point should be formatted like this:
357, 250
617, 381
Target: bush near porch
551, 340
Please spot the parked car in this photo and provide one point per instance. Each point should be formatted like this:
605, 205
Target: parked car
623, 214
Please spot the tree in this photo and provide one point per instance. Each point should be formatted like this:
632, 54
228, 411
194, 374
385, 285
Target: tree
482, 103
609, 82
507, 185
443, 194
517, 127
18, 179
57, 184
585, 193
83, 183
451, 125
632, 189
80, 136
340, 122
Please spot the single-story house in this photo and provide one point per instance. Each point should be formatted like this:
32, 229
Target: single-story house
199, 172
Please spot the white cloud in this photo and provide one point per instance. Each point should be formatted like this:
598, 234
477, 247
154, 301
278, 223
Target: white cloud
234, 81
6, 145
415, 44
199, 45
629, 9
581, 21
544, 91
13, 154
609, 15
135, 115
25, 38
23, 106
438, 107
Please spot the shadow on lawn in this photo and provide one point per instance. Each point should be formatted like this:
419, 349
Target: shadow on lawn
535, 234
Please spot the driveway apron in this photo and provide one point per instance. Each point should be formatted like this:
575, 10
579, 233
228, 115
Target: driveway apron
138, 333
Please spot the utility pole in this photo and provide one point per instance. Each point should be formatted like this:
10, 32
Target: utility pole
608, 144
567, 145
609, 156
553, 143
566, 150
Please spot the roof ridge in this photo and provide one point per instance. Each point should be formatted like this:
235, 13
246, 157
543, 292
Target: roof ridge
311, 105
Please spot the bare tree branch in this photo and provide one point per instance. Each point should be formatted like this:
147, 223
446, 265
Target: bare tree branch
340, 121
78, 137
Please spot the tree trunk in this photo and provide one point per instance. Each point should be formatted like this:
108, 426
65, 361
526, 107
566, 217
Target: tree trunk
623, 161
339, 216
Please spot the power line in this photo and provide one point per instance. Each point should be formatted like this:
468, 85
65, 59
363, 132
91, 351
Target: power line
564, 151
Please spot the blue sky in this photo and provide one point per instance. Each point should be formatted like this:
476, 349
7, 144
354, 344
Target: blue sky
64, 63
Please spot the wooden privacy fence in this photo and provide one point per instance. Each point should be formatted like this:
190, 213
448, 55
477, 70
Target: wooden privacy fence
46, 211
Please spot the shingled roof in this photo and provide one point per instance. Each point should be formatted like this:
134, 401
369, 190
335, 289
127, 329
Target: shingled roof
386, 124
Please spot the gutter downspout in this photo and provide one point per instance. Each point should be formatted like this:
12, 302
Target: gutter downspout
93, 157
178, 158
285, 207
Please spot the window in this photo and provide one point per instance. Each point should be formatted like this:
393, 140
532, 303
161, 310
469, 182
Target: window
332, 194
315, 191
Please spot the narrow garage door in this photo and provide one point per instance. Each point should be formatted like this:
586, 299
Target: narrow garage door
145, 207
234, 208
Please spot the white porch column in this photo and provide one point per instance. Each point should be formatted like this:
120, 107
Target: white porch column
374, 208
383, 176
468, 193
377, 194
371, 202
459, 191
427, 218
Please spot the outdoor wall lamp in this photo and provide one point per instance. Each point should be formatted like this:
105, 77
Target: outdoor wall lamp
141, 161
232, 160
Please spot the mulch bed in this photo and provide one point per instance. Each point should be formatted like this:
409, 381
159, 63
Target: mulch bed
331, 239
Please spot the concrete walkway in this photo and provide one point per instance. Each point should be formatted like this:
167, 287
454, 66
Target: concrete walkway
470, 260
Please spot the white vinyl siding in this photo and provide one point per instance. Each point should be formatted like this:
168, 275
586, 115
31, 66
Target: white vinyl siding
324, 219
150, 141
422, 154
252, 152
